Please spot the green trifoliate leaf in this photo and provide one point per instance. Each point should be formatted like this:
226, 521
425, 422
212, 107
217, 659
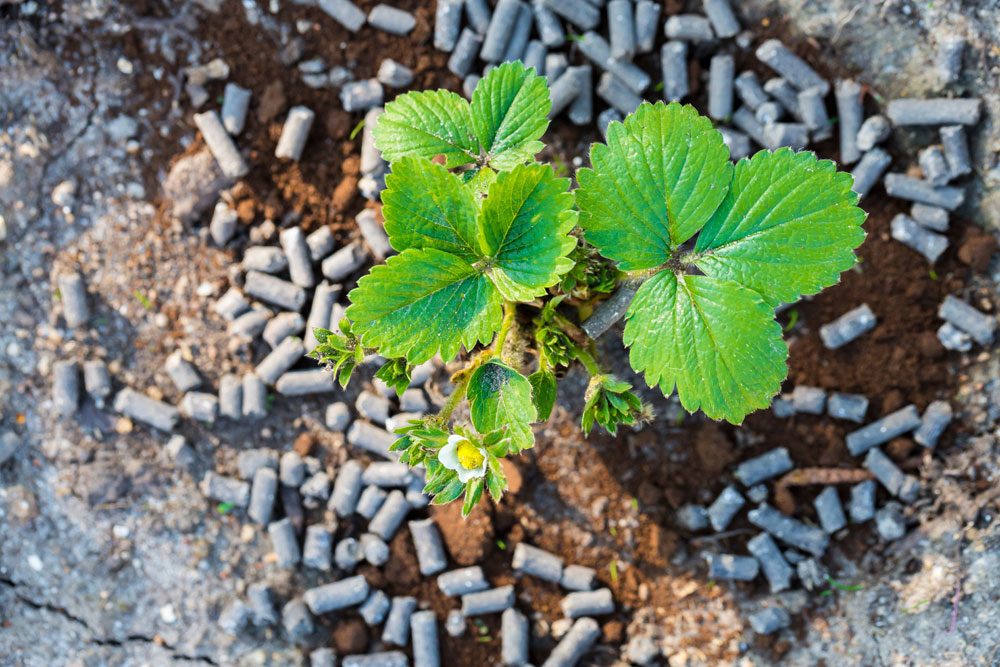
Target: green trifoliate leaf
714, 340
473, 492
524, 225
426, 206
543, 392
496, 480
422, 302
501, 397
610, 403
510, 109
426, 124
659, 178
787, 227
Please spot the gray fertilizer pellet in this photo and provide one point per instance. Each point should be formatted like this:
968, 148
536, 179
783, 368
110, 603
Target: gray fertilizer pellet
375, 550
317, 549
65, 387
785, 93
597, 50
555, 65
249, 461
343, 12
393, 74
391, 20
574, 645
724, 21
936, 418
261, 604
890, 522
688, 28
415, 493
294, 133
581, 111
178, 451
893, 425
284, 543
782, 407
338, 417
323, 657
829, 510
491, 601
847, 327
464, 56
808, 400
954, 339
97, 381
548, 25
374, 233
889, 475
296, 620
935, 111
371, 438
347, 554
73, 295
749, 90
730, 567
463, 581
776, 569
317, 485
790, 531
850, 115
338, 595
906, 187
518, 40
320, 242
224, 223
862, 505
280, 359
469, 84
344, 262
764, 467
447, 24
234, 617
934, 166
390, 516
500, 30
851, 407
578, 578
221, 145
605, 118
362, 95
281, 326
534, 56
423, 628
374, 610
745, 120
514, 637
346, 489
307, 382
948, 60
793, 135
479, 15
323, 300
621, 29
757, 493
370, 501
371, 157
293, 242
724, 509
956, 150
254, 397
872, 132
617, 94
813, 111
931, 217
537, 562
917, 237
292, 469
564, 90
793, 69
979, 325
674, 67
811, 573
397, 626
231, 304
720, 87
737, 143
413, 400
387, 475
267, 259
588, 603
692, 517
147, 410
583, 15
372, 406
647, 20
768, 113
869, 170
274, 290
249, 325
235, 103
380, 659
262, 494
769, 620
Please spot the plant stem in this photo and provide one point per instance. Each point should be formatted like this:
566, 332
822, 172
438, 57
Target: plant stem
509, 319
456, 397
588, 361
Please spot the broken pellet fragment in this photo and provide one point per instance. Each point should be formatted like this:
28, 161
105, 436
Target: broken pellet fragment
980, 326
847, 327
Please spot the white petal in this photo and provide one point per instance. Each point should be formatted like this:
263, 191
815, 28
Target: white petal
464, 475
448, 456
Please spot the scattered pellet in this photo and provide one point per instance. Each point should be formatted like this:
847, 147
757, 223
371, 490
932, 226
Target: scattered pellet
374, 548
724, 509
731, 567
762, 468
479, 15
262, 495
793, 135
317, 486
954, 339
321, 241
491, 601
851, 407
391, 20
811, 573
500, 30
224, 223
73, 295
934, 111
235, 103
893, 425
596, 49
343, 12
776, 569
267, 259
934, 166
393, 74
931, 217
850, 114
692, 517
814, 115
317, 548
231, 304
362, 95
757, 493
514, 637
147, 410
274, 290
785, 93
588, 603
469, 84
423, 628
234, 617
323, 657
344, 262
862, 505
284, 543
292, 469
790, 531
674, 67
249, 325
936, 418
575, 643
769, 620
647, 19
829, 510
296, 250
847, 327
373, 233
909, 188
980, 326
370, 501
371, 438
380, 659
221, 145
281, 326
390, 516
463, 581
294, 133
720, 86
890, 522
346, 489
96, 381
254, 397
563, 91
749, 90
869, 170
744, 119
338, 595
872, 132
890, 476
737, 143
723, 19
430, 551
793, 69
555, 65
581, 111
397, 626
372, 406
415, 492
454, 624
387, 475
518, 40
689, 28
919, 238
537, 562
296, 620
65, 387
374, 610
249, 461
621, 29
948, 60
306, 382
550, 28
580, 13
464, 56
782, 407
617, 94
578, 578
280, 360
347, 554
956, 150
261, 605
769, 113
808, 400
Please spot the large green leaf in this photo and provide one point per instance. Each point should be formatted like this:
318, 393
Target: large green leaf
713, 340
510, 109
424, 301
788, 226
525, 224
425, 124
426, 206
659, 178
499, 396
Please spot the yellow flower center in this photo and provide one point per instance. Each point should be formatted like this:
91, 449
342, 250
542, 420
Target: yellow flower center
469, 455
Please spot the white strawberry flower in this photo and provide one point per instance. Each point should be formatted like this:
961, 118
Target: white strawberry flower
464, 457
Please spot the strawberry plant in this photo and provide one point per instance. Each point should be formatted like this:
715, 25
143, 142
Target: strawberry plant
498, 258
